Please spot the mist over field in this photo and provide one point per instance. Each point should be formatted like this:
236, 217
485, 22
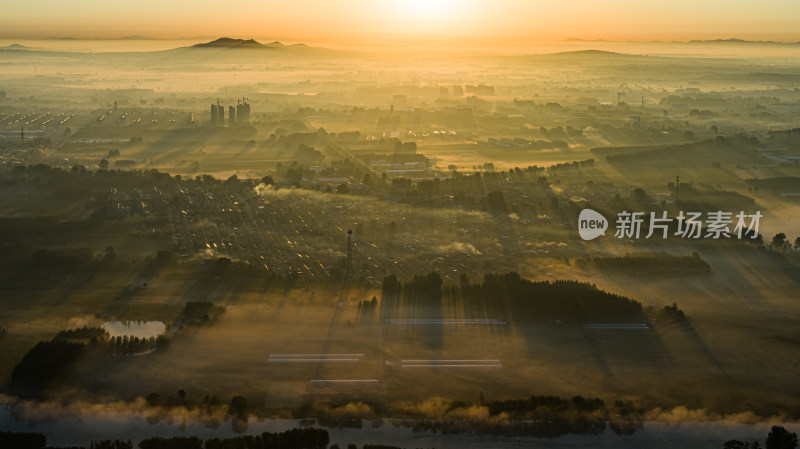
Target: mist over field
225, 237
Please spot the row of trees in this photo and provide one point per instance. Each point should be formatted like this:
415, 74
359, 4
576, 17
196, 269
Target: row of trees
120, 344
43, 364
672, 314
782, 243
126, 345
83, 334
528, 408
660, 263
305, 438
368, 306
310, 438
507, 295
27, 440
48, 360
778, 438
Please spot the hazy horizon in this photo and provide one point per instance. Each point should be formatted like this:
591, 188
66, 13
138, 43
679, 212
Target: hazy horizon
359, 20
436, 224
790, 51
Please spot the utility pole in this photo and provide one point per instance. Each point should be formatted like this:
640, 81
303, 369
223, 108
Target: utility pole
349, 251
677, 186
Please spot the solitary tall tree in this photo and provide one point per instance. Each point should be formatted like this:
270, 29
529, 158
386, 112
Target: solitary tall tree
778, 241
780, 438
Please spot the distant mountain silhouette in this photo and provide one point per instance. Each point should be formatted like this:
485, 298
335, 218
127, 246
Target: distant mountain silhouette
591, 53
222, 50
578, 39
590, 56
226, 42
233, 50
740, 41
695, 41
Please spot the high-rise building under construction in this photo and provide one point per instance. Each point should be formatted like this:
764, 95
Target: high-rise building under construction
243, 112
236, 114
214, 114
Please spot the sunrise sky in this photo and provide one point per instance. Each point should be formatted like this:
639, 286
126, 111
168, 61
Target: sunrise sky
362, 20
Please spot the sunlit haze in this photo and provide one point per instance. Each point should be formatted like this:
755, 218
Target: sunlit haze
398, 224
362, 20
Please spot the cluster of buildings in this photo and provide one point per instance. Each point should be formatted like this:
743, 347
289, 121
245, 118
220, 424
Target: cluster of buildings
445, 91
239, 114
458, 90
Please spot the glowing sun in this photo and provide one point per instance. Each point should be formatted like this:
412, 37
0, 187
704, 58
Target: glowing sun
427, 8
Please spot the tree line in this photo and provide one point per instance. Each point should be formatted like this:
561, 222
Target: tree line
43, 364
660, 263
507, 295
520, 408
310, 438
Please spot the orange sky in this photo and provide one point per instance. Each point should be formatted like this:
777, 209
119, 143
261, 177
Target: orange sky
364, 20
